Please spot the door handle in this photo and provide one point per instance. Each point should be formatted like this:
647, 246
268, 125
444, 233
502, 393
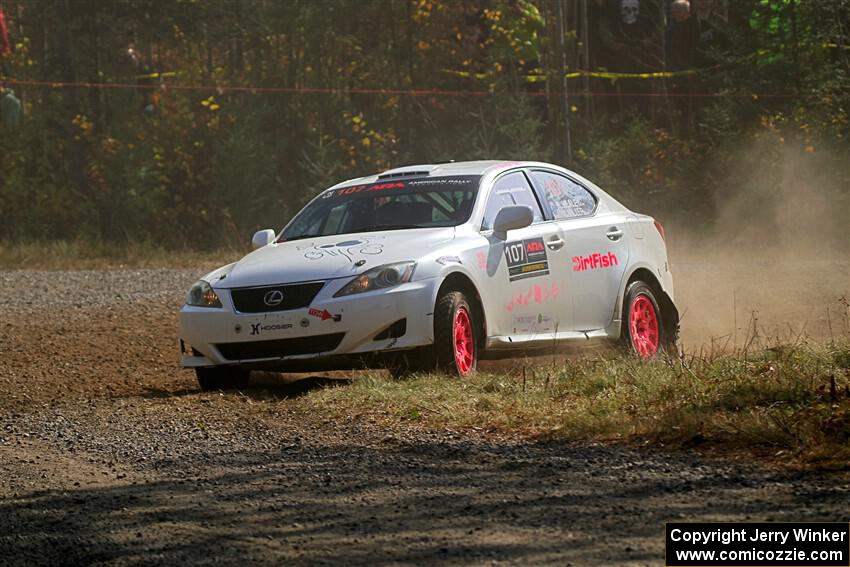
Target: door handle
614, 234
555, 243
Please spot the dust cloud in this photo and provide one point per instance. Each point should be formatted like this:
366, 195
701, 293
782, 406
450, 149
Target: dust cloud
775, 264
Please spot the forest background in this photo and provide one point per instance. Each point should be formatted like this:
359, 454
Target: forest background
191, 123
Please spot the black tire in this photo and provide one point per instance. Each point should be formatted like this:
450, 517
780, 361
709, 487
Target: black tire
222, 378
449, 308
637, 344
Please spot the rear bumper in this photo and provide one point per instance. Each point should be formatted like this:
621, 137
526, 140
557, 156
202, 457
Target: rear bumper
331, 333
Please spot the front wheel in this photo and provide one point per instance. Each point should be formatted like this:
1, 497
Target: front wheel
456, 336
644, 333
222, 378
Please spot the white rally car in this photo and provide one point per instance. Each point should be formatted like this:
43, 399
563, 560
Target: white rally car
433, 267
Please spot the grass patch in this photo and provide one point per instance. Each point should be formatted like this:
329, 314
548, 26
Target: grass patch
92, 255
789, 402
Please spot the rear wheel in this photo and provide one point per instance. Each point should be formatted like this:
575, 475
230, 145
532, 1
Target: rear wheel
456, 337
643, 332
222, 378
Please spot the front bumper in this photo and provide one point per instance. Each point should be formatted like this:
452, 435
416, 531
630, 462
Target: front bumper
330, 328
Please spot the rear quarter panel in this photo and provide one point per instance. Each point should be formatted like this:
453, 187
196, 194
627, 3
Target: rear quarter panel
648, 251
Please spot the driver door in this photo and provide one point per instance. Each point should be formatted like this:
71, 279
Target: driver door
528, 269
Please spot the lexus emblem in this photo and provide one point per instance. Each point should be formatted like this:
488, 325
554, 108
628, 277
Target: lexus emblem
273, 298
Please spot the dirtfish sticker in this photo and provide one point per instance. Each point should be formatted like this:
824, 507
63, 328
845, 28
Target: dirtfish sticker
526, 259
594, 261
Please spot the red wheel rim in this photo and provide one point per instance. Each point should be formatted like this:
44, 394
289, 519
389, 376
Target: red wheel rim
644, 327
464, 342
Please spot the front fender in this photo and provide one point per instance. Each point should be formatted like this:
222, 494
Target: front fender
460, 277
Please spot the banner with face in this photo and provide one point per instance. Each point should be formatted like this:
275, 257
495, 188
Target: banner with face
629, 11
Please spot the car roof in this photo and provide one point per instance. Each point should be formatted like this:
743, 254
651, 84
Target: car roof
479, 167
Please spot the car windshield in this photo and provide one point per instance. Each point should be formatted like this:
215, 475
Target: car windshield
387, 205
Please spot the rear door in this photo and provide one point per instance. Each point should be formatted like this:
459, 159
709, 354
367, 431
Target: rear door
596, 250
532, 266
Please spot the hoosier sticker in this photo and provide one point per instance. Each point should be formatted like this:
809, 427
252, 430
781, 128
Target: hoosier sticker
526, 259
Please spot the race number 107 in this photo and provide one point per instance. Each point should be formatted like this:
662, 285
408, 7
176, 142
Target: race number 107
515, 253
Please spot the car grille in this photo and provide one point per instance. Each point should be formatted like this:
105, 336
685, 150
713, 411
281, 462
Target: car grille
295, 296
280, 347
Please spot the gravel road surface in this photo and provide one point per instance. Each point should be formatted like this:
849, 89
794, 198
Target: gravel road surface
110, 456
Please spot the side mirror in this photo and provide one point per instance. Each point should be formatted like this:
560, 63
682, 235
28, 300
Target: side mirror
512, 218
262, 238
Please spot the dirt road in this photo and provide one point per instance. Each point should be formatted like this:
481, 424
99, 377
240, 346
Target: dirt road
110, 456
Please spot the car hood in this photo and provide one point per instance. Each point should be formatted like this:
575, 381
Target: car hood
329, 257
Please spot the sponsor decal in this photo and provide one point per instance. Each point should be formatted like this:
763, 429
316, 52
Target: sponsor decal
323, 314
533, 324
257, 328
482, 260
344, 249
594, 262
526, 259
551, 185
448, 260
442, 181
535, 246
537, 294
436, 182
382, 186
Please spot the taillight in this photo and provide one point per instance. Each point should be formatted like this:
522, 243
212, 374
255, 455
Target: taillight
660, 230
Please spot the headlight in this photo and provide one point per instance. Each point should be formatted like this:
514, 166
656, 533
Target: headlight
201, 294
381, 277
